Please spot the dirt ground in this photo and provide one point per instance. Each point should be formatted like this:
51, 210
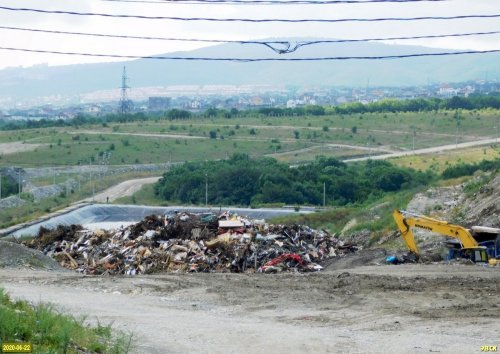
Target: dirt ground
123, 189
15, 147
446, 308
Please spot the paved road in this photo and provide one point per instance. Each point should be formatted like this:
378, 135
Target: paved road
123, 189
427, 150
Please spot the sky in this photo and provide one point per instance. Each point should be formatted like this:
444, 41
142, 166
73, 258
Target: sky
226, 31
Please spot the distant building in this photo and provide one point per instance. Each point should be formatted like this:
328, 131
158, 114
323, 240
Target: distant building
158, 103
447, 91
94, 109
256, 101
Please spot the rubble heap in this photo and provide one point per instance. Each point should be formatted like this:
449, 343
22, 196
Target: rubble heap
192, 243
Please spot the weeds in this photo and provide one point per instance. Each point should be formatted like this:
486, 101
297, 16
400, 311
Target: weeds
52, 332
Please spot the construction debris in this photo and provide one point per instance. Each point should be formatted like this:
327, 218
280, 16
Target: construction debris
186, 242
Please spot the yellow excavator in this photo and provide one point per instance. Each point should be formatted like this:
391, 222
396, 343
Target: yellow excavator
480, 244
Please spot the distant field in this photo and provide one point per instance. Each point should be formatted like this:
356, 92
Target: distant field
290, 139
439, 162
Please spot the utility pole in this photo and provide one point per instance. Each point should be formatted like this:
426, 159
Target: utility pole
19, 181
91, 184
206, 190
0, 186
497, 130
324, 194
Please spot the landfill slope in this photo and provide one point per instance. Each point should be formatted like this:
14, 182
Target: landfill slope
483, 207
456, 205
14, 255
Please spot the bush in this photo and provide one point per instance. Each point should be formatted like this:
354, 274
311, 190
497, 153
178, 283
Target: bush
469, 169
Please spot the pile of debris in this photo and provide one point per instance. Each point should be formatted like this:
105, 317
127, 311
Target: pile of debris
192, 243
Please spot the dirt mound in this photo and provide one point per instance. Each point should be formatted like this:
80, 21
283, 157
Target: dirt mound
483, 207
14, 255
365, 257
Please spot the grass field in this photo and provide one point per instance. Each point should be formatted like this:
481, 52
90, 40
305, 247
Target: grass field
439, 162
291, 139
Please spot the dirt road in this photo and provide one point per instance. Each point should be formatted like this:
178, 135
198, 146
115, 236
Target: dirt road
377, 309
428, 150
122, 189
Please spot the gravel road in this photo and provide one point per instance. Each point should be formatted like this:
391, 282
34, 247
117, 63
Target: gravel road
123, 189
377, 309
427, 150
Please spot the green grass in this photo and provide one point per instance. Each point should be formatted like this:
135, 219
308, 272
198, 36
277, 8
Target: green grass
439, 162
375, 216
256, 136
32, 210
50, 331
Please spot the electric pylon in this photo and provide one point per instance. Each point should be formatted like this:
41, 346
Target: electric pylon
124, 101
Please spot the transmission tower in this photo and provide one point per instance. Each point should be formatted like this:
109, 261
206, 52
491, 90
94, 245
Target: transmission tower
124, 101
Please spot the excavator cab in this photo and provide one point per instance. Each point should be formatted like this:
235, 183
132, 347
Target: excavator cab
488, 237
477, 255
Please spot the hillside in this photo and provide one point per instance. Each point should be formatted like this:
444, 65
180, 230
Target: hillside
76, 79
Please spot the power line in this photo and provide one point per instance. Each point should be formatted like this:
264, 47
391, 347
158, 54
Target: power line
174, 18
269, 2
287, 46
161, 57
306, 43
139, 37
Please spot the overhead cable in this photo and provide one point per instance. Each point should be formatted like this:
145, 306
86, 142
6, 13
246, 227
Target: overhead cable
281, 46
269, 2
162, 57
174, 18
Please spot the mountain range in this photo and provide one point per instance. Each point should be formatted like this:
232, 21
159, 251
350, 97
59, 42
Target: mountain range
42, 80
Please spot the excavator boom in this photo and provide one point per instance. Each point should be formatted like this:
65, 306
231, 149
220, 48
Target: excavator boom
406, 221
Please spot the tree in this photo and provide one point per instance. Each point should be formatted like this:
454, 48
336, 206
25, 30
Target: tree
178, 114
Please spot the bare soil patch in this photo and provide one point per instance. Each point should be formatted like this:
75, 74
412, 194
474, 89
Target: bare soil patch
15, 147
448, 308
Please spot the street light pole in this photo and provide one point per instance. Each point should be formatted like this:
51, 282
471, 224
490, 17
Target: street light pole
91, 184
497, 131
206, 190
324, 194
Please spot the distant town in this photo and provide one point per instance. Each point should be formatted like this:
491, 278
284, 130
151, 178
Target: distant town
199, 98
